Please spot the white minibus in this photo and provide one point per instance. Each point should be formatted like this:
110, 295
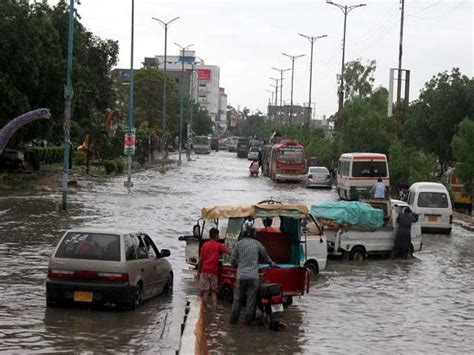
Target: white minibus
357, 172
431, 202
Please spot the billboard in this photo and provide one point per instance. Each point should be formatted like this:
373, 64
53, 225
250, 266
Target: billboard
204, 74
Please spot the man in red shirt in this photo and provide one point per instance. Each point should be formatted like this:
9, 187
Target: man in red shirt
211, 252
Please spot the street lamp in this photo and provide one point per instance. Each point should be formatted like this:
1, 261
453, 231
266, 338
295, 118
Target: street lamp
276, 90
181, 91
68, 93
165, 25
281, 71
190, 113
311, 39
293, 58
345, 10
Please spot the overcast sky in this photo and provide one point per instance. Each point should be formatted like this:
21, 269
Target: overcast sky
246, 38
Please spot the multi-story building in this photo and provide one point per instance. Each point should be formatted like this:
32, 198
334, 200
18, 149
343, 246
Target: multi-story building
204, 78
286, 114
221, 123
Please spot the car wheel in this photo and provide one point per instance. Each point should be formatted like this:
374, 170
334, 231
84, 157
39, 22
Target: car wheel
137, 300
168, 289
357, 254
313, 267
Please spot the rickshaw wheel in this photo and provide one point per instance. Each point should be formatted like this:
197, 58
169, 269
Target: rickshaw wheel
226, 294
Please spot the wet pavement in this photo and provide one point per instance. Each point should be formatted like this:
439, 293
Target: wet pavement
421, 305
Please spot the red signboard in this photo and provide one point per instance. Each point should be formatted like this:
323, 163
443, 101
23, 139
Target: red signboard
204, 74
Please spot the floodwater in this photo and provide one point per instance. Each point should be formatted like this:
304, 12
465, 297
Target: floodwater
380, 306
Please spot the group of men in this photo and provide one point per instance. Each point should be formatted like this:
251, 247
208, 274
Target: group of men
245, 257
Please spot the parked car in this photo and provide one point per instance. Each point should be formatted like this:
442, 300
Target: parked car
107, 267
253, 153
318, 176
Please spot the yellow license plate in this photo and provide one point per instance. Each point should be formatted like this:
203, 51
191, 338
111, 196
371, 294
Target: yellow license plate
432, 218
82, 296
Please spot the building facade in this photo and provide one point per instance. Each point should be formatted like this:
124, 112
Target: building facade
287, 115
200, 80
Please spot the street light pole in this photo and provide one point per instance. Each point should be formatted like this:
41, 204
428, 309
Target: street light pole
311, 39
276, 90
345, 10
293, 58
130, 99
181, 99
165, 25
190, 113
281, 71
68, 93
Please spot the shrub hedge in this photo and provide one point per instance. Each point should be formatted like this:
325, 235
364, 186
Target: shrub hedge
46, 155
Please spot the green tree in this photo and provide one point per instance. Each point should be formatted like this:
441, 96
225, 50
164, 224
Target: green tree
462, 145
358, 79
444, 101
366, 126
202, 123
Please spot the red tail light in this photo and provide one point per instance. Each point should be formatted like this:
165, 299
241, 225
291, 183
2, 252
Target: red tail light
193, 260
89, 275
310, 176
451, 219
276, 299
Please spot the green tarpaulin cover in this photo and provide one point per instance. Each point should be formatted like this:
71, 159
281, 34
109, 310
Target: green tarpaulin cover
349, 212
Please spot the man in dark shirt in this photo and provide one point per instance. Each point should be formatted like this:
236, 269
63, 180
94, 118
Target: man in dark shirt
403, 236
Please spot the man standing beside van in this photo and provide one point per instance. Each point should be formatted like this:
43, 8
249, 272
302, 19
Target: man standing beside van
403, 237
378, 189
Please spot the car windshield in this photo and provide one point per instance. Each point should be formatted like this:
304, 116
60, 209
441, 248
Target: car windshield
369, 169
254, 150
291, 155
90, 246
321, 170
433, 200
201, 140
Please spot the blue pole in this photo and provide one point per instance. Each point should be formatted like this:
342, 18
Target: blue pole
181, 107
130, 97
68, 93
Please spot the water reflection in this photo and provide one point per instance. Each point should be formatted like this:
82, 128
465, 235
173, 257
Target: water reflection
421, 305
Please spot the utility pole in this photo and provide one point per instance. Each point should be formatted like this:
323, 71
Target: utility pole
311, 39
181, 99
345, 10
399, 81
68, 93
190, 113
163, 134
281, 71
130, 101
270, 101
293, 58
276, 90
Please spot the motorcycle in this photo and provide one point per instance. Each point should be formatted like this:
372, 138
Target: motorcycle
270, 305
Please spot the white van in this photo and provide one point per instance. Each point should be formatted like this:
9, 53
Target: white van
357, 172
430, 200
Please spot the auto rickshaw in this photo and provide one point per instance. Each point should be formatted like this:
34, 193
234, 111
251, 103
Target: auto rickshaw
285, 245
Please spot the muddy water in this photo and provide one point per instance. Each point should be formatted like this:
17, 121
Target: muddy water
425, 304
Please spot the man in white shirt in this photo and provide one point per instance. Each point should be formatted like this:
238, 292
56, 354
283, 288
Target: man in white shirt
378, 189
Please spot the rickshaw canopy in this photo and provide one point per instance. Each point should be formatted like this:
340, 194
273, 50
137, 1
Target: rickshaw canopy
257, 211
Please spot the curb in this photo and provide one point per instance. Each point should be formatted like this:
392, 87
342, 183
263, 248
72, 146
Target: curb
464, 225
193, 336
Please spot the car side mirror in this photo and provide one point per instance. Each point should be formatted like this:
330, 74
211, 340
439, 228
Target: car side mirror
164, 253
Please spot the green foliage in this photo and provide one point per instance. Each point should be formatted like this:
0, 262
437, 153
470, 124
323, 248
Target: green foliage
119, 166
46, 155
463, 143
109, 166
202, 123
366, 127
409, 165
444, 101
358, 79
33, 67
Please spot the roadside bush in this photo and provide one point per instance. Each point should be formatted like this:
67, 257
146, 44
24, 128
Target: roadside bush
119, 166
79, 158
46, 155
109, 166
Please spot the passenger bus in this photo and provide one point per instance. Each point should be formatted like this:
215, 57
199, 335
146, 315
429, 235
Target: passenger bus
286, 161
202, 145
357, 172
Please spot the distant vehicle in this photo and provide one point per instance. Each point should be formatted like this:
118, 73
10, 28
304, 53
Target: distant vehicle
232, 143
111, 268
430, 200
357, 172
318, 176
242, 147
202, 145
460, 199
357, 242
215, 143
255, 143
284, 161
253, 153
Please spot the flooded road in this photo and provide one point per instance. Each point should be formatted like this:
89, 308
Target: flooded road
422, 305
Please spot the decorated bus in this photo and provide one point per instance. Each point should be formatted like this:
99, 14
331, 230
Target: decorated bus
284, 161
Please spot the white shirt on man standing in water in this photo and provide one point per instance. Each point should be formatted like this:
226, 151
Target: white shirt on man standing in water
378, 189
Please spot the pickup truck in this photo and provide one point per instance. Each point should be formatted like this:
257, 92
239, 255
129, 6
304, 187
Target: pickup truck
355, 242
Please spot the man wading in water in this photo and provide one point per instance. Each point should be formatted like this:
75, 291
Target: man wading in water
403, 237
